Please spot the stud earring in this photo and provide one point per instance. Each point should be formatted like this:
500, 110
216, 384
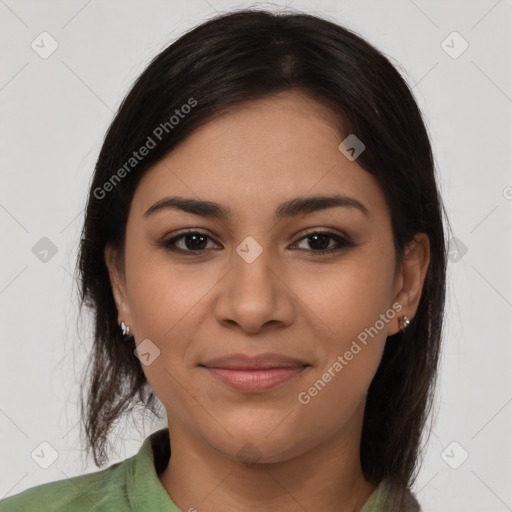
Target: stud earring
404, 321
125, 329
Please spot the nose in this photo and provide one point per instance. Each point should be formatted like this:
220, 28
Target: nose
254, 296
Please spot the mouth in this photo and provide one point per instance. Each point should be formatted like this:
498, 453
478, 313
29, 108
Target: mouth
254, 373
254, 380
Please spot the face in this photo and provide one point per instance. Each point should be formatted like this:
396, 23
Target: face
314, 284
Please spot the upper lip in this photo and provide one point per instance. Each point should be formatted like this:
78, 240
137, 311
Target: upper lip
247, 362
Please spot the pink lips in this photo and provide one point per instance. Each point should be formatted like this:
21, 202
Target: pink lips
254, 373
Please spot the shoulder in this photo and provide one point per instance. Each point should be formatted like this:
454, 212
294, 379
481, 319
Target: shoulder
96, 491
117, 487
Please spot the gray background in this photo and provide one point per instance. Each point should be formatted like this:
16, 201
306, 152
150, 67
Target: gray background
54, 112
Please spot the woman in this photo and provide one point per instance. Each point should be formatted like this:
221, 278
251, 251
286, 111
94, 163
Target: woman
296, 375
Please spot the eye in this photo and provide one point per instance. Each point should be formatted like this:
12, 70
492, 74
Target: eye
194, 241
319, 242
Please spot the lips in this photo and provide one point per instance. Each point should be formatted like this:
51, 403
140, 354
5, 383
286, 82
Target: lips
252, 374
260, 362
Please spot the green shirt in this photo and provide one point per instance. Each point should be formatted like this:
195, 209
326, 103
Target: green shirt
130, 485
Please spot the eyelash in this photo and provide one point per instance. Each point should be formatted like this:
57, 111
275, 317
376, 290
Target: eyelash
343, 243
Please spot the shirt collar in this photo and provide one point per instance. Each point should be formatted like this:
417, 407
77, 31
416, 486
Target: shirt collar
145, 491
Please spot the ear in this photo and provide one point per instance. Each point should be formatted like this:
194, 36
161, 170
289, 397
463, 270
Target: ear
410, 278
118, 283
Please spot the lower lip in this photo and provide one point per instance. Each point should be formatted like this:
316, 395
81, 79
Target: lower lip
255, 380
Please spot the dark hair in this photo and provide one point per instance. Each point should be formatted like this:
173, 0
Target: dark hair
239, 57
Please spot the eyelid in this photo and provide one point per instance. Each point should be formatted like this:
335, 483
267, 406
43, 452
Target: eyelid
308, 231
324, 230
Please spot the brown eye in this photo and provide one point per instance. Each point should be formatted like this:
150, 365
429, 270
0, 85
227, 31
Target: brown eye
319, 242
193, 241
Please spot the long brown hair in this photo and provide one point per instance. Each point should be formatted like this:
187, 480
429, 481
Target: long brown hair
238, 57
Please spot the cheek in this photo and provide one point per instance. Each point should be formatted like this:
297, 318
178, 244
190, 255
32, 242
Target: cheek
167, 304
349, 361
163, 294
344, 299
351, 311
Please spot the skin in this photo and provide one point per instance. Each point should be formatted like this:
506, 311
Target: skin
286, 301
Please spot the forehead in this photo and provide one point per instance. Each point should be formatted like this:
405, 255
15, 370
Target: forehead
258, 155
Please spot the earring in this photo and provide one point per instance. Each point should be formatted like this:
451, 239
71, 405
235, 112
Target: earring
404, 321
125, 329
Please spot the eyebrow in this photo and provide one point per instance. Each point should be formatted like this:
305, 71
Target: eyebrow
291, 208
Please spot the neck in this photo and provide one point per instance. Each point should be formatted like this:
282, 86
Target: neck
327, 477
